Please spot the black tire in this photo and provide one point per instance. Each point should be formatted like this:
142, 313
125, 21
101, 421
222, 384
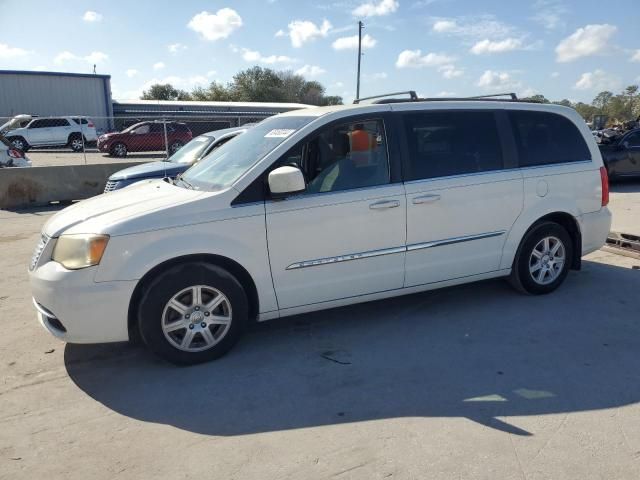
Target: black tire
175, 146
19, 143
153, 310
76, 142
522, 279
119, 150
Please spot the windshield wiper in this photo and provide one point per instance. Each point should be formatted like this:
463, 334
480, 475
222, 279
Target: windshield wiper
182, 180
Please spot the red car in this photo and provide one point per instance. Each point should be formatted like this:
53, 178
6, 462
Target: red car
145, 137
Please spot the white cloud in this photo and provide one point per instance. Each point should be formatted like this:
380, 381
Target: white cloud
487, 46
12, 52
550, 13
372, 9
634, 58
445, 26
91, 16
584, 42
67, 56
473, 27
303, 31
132, 72
445, 93
214, 26
96, 57
450, 71
158, 65
498, 80
211, 73
351, 43
176, 48
310, 71
280, 33
415, 59
255, 56
597, 80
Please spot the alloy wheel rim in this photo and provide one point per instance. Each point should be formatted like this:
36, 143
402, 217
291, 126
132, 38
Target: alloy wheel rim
120, 150
547, 260
196, 318
76, 144
175, 147
18, 144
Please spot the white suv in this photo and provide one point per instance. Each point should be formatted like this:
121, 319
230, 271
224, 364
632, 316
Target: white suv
50, 132
324, 207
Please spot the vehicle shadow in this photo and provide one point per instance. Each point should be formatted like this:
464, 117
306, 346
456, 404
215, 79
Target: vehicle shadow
625, 186
479, 351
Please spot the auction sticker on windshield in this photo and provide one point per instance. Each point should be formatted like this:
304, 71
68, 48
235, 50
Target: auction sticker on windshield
279, 133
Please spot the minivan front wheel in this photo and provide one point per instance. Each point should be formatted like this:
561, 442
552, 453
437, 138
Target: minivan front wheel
543, 259
192, 313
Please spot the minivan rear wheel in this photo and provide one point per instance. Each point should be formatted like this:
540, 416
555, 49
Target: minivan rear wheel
543, 259
192, 313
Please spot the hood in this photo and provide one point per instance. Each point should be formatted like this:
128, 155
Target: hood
14, 122
116, 212
150, 170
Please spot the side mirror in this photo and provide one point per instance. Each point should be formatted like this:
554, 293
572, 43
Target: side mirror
287, 180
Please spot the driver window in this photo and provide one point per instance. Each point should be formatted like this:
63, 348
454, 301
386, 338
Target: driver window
141, 130
343, 157
632, 140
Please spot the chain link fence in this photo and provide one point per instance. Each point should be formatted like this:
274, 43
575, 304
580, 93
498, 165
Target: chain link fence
78, 139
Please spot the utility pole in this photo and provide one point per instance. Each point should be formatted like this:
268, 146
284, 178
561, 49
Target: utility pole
360, 27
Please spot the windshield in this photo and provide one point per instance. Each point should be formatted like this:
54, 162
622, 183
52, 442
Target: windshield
228, 163
128, 129
192, 150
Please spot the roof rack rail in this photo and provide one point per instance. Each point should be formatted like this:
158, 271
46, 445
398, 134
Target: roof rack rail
378, 99
413, 97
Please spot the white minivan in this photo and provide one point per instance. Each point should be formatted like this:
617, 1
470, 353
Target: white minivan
318, 208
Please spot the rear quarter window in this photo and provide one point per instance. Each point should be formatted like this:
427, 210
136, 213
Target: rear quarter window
544, 138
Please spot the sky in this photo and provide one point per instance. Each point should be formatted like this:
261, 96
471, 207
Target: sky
559, 48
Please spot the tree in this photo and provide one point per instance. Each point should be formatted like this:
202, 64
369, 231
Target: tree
602, 101
164, 92
255, 84
537, 98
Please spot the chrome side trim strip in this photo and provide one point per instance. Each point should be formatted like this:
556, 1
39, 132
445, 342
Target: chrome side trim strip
346, 258
451, 241
390, 251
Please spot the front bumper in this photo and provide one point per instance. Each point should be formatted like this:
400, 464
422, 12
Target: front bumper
88, 311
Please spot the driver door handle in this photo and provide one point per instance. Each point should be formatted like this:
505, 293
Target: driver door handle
384, 204
425, 199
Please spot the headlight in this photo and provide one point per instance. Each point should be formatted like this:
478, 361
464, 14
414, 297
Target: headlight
79, 251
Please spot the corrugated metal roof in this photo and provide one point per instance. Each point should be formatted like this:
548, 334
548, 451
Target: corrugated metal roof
55, 74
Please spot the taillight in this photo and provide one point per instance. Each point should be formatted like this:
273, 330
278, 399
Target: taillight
604, 179
15, 153
90, 125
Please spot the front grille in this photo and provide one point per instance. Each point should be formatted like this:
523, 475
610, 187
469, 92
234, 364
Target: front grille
110, 186
44, 239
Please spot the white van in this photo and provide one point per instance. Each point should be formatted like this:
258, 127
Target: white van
318, 208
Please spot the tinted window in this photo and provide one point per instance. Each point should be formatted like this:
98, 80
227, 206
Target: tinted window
632, 140
451, 143
142, 129
343, 157
546, 138
79, 121
58, 122
38, 124
158, 128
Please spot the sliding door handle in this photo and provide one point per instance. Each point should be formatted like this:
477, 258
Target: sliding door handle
384, 204
425, 199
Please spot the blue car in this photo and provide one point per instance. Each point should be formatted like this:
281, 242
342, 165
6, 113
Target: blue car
192, 152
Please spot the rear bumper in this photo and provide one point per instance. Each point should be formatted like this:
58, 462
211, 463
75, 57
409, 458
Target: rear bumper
87, 311
595, 228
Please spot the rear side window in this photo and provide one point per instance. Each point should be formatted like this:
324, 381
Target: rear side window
546, 138
59, 122
79, 121
451, 143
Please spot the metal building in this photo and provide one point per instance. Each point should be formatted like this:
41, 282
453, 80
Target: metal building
201, 117
57, 94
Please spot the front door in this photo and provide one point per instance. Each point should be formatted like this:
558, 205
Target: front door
345, 236
461, 202
631, 145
